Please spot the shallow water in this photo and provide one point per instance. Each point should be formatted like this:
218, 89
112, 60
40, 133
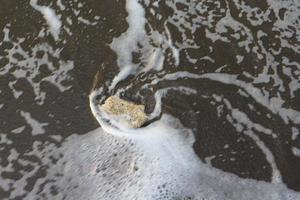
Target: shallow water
228, 70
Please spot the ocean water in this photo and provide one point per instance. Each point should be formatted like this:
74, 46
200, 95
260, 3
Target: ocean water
220, 80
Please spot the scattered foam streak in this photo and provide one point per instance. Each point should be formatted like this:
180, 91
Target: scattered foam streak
161, 93
30, 66
125, 71
50, 16
60, 5
36, 126
240, 117
128, 41
275, 107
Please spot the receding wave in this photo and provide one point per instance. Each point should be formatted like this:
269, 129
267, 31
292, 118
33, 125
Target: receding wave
219, 81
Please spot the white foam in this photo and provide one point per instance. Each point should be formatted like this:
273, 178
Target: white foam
52, 19
151, 163
135, 40
275, 105
18, 130
243, 118
159, 94
156, 60
127, 42
86, 21
244, 125
172, 154
60, 5
4, 140
239, 59
240, 117
16, 93
296, 151
124, 72
175, 51
29, 66
36, 126
168, 159
295, 133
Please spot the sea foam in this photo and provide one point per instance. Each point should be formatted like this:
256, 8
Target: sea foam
154, 162
52, 19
